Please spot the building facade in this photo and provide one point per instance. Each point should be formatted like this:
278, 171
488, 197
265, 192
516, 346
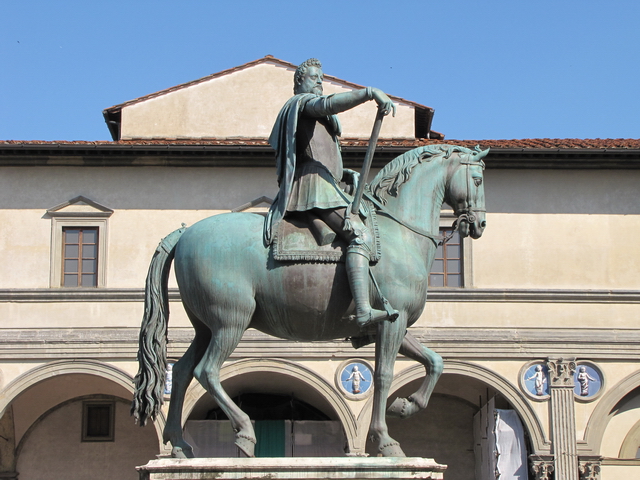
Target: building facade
536, 321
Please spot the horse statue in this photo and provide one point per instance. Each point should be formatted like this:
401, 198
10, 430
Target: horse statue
229, 282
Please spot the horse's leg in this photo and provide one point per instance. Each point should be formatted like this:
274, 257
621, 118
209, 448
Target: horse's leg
388, 341
224, 340
182, 375
412, 348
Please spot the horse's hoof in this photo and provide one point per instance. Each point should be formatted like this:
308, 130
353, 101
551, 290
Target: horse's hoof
402, 408
398, 408
247, 444
391, 450
179, 452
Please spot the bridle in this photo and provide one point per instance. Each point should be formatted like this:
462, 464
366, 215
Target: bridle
467, 214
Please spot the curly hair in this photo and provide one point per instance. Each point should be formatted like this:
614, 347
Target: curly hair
302, 69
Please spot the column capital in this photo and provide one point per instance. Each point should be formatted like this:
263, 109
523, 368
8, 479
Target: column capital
541, 467
561, 371
589, 468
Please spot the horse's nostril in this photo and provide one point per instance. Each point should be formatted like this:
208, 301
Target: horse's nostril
483, 224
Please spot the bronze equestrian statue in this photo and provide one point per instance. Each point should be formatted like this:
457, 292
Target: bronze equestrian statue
309, 168
230, 279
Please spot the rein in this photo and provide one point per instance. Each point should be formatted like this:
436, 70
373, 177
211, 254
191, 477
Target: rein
467, 213
436, 239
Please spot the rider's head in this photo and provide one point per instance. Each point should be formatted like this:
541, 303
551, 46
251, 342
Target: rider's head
308, 77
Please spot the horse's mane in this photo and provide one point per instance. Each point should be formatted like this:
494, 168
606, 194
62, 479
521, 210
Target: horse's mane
395, 173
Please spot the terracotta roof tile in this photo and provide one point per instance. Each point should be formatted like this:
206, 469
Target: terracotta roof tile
527, 143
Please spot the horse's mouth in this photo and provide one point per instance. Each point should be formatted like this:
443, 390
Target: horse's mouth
471, 229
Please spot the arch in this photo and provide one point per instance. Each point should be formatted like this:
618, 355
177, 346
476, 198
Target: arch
629, 448
539, 441
600, 416
282, 367
70, 367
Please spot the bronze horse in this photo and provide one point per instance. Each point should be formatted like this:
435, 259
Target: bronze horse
229, 282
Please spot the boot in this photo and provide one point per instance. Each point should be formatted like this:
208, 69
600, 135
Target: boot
358, 274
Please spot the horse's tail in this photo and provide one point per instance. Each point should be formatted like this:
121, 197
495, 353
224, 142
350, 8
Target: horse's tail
152, 350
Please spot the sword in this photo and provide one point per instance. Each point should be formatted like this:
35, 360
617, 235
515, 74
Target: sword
368, 159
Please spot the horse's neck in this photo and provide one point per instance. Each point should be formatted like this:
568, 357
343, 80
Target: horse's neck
419, 200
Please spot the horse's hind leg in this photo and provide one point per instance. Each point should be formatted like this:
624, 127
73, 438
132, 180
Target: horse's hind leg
412, 348
182, 375
224, 339
388, 341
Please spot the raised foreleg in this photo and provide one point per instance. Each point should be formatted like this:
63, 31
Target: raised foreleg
388, 341
412, 348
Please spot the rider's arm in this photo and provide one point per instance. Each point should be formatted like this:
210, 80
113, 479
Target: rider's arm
322, 106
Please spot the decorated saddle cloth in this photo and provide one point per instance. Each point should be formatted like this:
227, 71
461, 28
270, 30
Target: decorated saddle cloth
295, 242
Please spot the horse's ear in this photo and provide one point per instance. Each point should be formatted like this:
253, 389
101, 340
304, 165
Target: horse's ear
480, 153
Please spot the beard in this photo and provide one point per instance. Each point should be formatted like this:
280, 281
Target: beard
317, 90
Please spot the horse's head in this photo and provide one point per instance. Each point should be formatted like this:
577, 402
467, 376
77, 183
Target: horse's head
465, 193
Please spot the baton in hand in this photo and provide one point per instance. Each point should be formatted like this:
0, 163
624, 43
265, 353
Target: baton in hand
368, 159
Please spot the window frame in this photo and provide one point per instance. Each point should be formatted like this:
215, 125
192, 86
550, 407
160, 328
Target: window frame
446, 220
64, 216
86, 405
80, 257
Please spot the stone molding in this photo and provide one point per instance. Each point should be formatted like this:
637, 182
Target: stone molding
450, 342
335, 468
61, 367
489, 295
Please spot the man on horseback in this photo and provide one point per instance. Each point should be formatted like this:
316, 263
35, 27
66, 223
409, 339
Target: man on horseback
309, 168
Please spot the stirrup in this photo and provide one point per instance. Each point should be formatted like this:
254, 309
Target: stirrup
374, 317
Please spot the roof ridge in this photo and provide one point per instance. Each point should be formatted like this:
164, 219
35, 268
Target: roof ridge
265, 59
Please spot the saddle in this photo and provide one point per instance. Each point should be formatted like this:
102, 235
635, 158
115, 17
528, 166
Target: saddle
298, 238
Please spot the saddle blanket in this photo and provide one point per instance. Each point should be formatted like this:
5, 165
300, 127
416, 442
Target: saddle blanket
294, 241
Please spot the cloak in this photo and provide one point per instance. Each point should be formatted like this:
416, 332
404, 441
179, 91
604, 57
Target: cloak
283, 141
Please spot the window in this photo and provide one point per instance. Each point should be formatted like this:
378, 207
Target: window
79, 257
452, 266
79, 243
98, 420
447, 268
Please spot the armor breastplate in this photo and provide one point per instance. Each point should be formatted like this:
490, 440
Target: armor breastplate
316, 142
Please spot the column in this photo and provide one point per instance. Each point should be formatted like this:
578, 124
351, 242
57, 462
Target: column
563, 422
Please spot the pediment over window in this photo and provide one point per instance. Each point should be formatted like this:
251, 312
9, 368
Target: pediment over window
80, 207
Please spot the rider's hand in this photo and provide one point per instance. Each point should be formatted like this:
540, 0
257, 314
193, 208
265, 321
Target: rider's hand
385, 105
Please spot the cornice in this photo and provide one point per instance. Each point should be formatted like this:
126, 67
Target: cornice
484, 295
252, 153
523, 344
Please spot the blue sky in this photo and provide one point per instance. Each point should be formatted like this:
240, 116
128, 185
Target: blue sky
491, 69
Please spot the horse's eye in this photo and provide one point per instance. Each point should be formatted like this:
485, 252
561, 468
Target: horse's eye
477, 181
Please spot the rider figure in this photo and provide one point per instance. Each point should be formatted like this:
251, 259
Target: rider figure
309, 168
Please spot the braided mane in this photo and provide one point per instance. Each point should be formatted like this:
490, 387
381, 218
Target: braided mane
388, 181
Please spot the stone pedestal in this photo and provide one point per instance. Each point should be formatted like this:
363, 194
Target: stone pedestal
354, 468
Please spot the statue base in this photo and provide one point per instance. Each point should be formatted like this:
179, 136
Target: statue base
290, 468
